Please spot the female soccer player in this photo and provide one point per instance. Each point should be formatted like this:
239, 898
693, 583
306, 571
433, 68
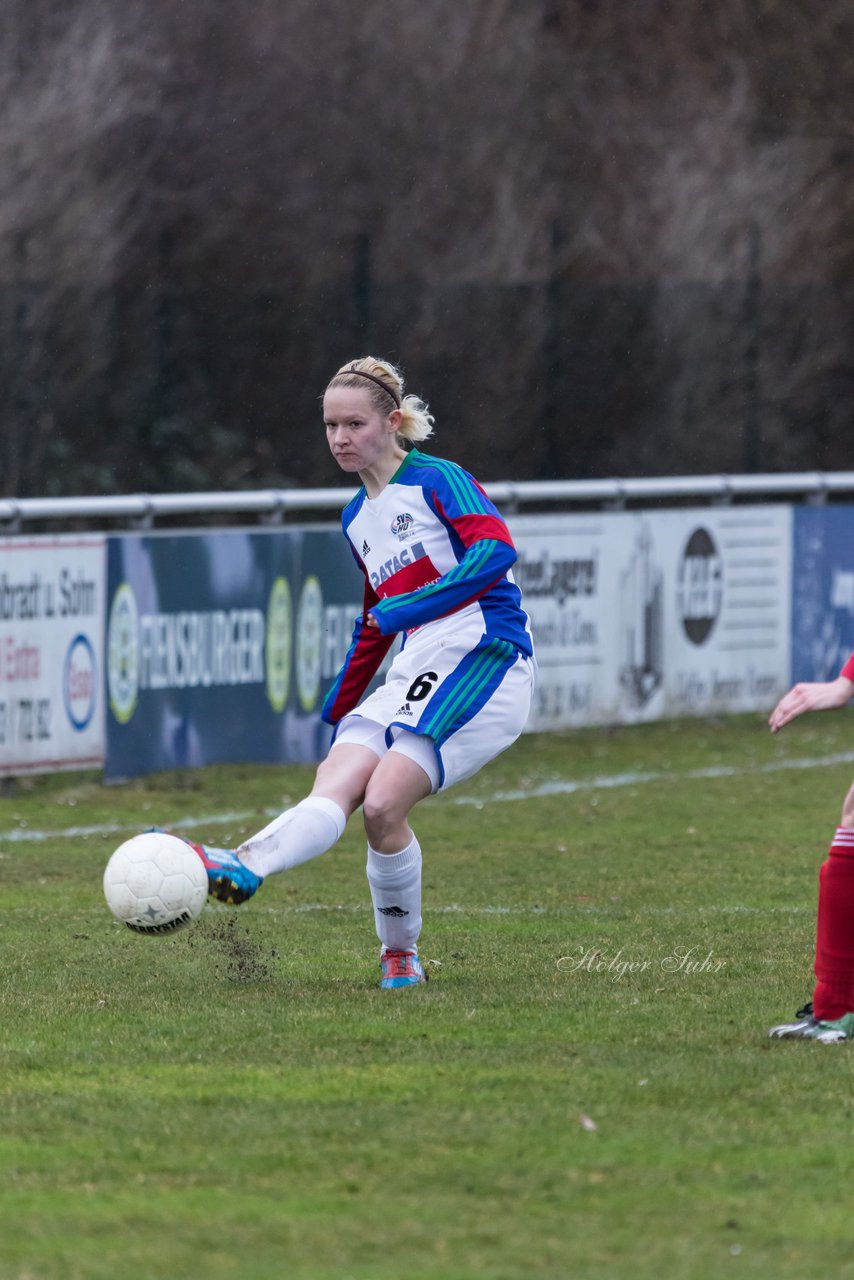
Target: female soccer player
436, 558
830, 1015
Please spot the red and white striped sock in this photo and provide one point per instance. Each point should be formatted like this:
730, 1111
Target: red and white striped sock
834, 942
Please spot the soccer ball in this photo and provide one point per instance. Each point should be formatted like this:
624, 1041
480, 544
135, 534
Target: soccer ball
155, 883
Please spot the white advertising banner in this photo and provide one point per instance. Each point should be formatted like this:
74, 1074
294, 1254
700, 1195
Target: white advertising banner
647, 615
51, 653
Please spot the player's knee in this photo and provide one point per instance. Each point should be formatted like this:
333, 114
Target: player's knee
381, 808
378, 810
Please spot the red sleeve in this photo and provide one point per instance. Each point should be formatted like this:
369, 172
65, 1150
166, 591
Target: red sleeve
367, 650
848, 669
474, 528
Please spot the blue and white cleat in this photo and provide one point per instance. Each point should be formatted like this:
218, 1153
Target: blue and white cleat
229, 880
401, 969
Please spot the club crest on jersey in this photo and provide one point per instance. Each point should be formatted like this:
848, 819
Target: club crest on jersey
402, 524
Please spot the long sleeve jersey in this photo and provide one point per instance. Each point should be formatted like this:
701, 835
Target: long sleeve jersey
431, 546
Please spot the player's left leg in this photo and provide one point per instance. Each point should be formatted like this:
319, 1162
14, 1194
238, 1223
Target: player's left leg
480, 708
394, 858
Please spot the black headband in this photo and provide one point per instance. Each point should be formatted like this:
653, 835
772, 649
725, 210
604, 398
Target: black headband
360, 373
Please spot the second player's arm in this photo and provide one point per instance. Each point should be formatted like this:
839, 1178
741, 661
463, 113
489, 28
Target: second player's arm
814, 695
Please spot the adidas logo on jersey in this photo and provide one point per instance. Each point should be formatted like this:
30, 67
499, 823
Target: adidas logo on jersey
405, 710
392, 911
366, 550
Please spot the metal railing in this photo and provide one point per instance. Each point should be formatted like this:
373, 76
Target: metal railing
273, 506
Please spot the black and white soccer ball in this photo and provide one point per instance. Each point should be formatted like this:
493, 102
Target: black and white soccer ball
155, 883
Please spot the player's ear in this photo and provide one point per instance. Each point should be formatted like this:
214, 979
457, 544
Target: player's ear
395, 418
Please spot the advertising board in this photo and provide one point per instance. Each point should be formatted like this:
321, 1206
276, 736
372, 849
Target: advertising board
51, 654
647, 615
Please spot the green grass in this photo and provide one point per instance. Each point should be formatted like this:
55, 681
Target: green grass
240, 1100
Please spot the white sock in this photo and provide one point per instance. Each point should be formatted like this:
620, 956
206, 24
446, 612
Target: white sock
395, 881
297, 835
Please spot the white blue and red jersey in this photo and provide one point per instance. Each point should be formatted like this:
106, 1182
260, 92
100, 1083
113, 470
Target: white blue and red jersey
436, 557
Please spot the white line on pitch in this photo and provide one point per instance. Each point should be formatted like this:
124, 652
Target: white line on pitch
561, 787
572, 909
24, 834
553, 787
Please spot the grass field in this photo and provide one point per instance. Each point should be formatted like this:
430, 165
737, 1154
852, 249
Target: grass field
584, 1088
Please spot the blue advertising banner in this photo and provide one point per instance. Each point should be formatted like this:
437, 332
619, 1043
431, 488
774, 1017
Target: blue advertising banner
822, 591
221, 646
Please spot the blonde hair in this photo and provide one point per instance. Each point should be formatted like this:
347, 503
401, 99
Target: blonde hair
384, 383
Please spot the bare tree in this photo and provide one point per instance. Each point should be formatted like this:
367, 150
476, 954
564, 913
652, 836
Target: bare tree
599, 239
77, 99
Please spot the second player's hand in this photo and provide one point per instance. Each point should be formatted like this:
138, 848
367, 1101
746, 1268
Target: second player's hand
810, 696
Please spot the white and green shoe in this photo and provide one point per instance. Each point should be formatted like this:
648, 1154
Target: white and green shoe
807, 1027
832, 1032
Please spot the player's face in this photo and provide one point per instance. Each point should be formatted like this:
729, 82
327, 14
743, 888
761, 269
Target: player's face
359, 436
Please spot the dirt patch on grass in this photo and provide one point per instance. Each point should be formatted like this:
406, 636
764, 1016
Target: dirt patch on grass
238, 956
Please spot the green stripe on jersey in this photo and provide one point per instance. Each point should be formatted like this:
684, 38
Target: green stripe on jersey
467, 494
496, 655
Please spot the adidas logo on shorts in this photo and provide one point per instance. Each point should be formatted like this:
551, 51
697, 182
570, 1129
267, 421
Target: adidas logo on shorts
405, 710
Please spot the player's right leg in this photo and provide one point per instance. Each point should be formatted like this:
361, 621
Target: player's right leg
229, 879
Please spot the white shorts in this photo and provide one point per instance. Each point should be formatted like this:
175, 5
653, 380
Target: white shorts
451, 705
